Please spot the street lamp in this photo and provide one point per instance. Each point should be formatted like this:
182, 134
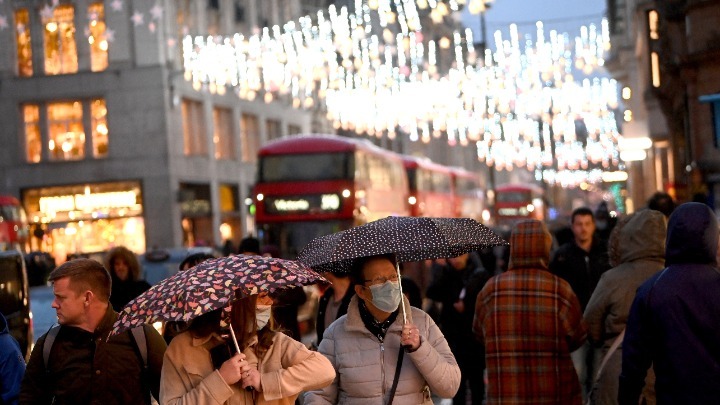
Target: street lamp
480, 7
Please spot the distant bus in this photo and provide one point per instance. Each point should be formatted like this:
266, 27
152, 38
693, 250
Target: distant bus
14, 227
313, 185
469, 195
519, 201
431, 188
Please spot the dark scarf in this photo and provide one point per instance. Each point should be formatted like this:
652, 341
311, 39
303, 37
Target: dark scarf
379, 329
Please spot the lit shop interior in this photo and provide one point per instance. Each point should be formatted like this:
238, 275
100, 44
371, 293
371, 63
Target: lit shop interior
85, 218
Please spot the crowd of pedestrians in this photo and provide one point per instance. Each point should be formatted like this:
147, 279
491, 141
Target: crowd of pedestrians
624, 311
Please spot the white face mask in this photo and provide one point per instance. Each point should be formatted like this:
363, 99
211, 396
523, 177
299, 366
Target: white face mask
262, 315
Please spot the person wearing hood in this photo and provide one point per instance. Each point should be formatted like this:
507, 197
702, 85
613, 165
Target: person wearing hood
379, 357
530, 320
674, 322
124, 269
636, 250
12, 365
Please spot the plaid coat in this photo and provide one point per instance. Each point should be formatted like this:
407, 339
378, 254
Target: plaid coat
530, 321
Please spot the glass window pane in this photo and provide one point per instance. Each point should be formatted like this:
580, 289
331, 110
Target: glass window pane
66, 134
273, 129
193, 128
98, 110
33, 141
306, 167
250, 137
222, 138
97, 39
23, 42
294, 129
60, 49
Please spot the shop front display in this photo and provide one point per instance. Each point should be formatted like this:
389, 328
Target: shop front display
86, 219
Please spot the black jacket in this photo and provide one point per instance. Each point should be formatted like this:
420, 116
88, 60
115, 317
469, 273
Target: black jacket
674, 321
85, 368
581, 269
322, 307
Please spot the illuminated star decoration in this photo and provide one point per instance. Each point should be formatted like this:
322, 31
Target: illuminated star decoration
46, 12
3, 21
137, 18
116, 5
109, 35
156, 12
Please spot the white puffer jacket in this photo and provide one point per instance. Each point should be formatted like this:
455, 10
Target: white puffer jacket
365, 367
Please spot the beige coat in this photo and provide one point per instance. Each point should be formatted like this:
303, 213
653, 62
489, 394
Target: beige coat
286, 369
365, 367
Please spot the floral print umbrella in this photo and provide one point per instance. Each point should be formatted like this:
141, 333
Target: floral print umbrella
212, 285
409, 238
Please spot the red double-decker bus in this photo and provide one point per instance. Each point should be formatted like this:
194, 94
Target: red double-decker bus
313, 185
431, 188
469, 195
519, 201
14, 227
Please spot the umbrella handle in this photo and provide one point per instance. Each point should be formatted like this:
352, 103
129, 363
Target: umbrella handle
237, 347
402, 296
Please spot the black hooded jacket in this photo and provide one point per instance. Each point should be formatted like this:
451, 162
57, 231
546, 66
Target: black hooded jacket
674, 321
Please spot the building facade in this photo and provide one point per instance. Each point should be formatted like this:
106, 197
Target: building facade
104, 141
666, 54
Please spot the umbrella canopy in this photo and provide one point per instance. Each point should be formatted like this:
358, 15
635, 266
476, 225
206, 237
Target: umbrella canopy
409, 238
212, 285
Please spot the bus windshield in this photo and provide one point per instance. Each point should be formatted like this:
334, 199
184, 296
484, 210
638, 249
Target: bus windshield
304, 167
513, 197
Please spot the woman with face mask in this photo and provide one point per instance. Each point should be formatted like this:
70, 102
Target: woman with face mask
201, 365
381, 354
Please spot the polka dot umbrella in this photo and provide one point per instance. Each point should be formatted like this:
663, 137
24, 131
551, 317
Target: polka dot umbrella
212, 284
410, 239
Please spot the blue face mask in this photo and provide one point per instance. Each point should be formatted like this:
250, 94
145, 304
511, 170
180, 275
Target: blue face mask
386, 296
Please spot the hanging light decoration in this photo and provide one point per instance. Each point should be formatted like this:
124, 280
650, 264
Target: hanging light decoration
373, 72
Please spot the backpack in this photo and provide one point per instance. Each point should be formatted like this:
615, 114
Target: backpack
138, 334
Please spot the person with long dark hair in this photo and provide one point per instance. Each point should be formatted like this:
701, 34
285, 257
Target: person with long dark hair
124, 269
202, 366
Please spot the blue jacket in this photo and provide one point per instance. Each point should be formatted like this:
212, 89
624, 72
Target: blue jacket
12, 365
674, 320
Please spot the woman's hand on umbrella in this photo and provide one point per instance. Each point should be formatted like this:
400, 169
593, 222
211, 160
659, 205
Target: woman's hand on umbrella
410, 337
233, 369
251, 378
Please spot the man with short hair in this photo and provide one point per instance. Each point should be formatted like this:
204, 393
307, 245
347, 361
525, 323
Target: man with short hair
581, 262
85, 365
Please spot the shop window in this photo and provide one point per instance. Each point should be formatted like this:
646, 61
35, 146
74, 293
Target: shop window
98, 111
193, 128
97, 38
60, 49
250, 137
33, 141
23, 43
272, 127
66, 135
65, 130
223, 135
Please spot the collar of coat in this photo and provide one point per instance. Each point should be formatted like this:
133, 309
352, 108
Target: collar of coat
215, 339
354, 322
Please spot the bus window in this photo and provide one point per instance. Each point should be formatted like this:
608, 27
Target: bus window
304, 167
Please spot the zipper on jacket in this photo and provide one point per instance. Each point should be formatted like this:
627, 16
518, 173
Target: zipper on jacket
382, 367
